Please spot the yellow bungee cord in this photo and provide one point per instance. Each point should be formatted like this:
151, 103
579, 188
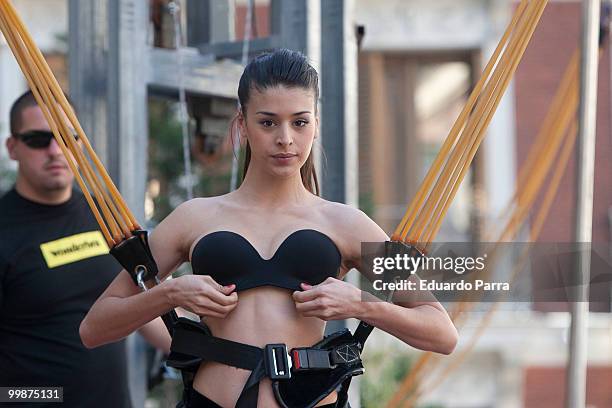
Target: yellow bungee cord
558, 132
415, 389
110, 210
425, 213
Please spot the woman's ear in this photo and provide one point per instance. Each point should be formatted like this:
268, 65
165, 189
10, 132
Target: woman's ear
241, 121
316, 127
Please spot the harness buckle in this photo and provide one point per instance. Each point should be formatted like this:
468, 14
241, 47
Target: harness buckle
277, 362
308, 358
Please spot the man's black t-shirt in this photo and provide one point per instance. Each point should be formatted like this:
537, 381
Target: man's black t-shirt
53, 266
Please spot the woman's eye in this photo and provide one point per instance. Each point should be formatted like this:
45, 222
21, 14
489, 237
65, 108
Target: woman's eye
300, 123
267, 123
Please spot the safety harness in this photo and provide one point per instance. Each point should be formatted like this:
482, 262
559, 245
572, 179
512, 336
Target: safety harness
301, 377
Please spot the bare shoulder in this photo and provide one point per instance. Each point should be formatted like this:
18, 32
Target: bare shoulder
350, 227
202, 207
180, 227
183, 215
352, 222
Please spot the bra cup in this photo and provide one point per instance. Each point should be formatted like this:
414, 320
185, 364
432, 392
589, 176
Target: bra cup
311, 258
222, 256
304, 256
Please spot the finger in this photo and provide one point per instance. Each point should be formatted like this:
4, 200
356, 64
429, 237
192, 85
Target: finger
327, 281
210, 281
227, 309
230, 306
227, 289
221, 299
218, 311
297, 296
306, 286
308, 306
306, 295
206, 304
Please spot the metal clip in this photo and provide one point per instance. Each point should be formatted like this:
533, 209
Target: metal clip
277, 362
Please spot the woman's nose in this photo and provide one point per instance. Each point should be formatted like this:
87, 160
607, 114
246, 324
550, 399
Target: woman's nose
284, 135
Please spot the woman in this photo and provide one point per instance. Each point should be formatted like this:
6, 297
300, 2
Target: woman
268, 258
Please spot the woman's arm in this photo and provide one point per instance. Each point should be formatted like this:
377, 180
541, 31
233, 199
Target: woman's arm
426, 326
123, 308
423, 324
156, 334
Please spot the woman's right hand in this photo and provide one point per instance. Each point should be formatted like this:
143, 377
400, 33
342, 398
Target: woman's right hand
200, 294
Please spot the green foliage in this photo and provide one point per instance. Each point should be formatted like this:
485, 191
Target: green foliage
166, 394
366, 203
385, 372
166, 162
165, 156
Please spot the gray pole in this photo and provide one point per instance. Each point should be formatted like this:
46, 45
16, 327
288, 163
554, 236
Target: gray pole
577, 368
339, 126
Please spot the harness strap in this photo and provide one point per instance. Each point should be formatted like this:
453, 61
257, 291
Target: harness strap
212, 348
250, 393
195, 340
207, 347
362, 332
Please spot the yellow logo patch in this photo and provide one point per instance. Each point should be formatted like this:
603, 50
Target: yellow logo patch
74, 248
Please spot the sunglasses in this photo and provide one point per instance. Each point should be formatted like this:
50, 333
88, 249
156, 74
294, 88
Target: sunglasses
38, 139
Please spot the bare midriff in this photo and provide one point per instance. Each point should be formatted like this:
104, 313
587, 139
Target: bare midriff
263, 315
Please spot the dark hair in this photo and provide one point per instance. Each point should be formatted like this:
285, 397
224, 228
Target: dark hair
280, 67
15, 118
22, 103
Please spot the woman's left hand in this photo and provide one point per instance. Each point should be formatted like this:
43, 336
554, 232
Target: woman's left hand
332, 299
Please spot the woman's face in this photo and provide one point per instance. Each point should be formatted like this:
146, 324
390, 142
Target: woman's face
280, 125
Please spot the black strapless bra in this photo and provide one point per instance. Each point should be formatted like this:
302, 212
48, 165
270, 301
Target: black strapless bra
307, 256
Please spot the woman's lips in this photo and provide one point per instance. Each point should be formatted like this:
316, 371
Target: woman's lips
284, 158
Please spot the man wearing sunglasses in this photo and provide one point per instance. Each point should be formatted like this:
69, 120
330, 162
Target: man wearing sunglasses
43, 175
54, 264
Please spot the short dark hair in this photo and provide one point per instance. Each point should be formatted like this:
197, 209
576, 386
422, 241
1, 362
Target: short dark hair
22, 103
